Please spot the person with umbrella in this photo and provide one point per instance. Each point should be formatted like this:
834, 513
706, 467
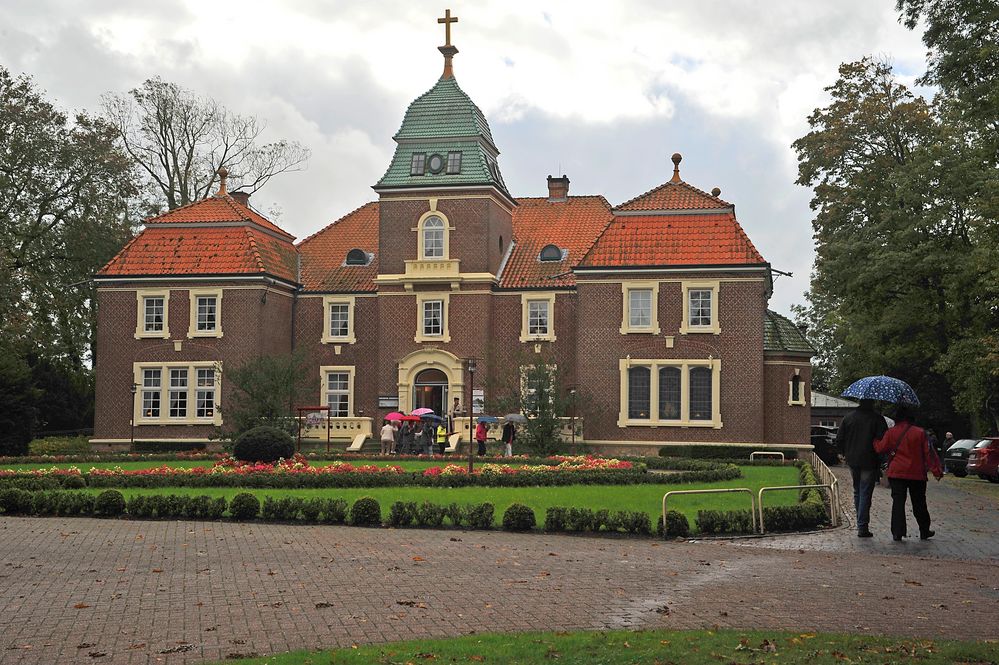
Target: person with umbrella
510, 432
909, 459
857, 434
388, 437
480, 437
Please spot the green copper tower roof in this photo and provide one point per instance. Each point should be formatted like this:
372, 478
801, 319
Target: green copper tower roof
781, 335
445, 129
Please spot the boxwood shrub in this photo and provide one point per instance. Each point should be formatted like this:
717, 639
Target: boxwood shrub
109, 503
518, 517
366, 511
263, 444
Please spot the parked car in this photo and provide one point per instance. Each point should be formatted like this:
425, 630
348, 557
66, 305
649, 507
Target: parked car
824, 442
956, 457
983, 460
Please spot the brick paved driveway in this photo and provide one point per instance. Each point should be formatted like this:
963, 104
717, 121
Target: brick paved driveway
96, 591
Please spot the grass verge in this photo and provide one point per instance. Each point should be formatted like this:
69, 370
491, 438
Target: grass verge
686, 647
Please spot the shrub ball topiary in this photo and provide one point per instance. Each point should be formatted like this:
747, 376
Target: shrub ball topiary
74, 483
109, 503
677, 525
263, 444
366, 511
518, 517
244, 506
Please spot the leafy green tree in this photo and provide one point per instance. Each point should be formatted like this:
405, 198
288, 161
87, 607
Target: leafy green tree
266, 390
65, 197
893, 243
17, 395
537, 387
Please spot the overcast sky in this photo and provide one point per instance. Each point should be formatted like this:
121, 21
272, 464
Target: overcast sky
601, 91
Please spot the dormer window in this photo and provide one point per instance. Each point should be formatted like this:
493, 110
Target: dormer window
551, 253
419, 164
357, 257
453, 163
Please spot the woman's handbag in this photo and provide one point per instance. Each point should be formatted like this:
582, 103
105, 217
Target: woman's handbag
886, 460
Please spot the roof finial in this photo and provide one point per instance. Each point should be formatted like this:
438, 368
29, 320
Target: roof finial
677, 158
223, 173
448, 51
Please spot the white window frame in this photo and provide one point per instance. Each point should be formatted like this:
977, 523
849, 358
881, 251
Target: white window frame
801, 389
164, 390
324, 372
422, 298
140, 316
192, 328
526, 390
688, 286
421, 233
548, 298
626, 289
328, 303
684, 420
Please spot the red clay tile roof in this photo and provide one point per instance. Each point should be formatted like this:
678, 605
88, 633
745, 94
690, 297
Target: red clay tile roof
217, 209
571, 225
673, 240
674, 195
324, 252
239, 250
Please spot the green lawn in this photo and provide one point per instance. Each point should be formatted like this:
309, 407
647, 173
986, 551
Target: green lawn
688, 647
646, 498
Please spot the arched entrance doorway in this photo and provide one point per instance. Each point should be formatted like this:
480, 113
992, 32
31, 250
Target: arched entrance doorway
430, 368
430, 391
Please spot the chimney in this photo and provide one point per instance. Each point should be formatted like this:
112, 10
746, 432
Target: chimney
243, 198
558, 188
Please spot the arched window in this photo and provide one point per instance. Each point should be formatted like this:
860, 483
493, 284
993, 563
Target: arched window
639, 397
357, 257
433, 237
550, 253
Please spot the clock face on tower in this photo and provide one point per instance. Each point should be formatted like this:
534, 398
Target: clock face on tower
435, 163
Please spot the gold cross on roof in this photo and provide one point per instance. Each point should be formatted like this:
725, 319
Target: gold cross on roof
447, 20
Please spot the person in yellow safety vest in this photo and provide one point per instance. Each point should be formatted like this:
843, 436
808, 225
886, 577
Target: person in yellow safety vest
441, 438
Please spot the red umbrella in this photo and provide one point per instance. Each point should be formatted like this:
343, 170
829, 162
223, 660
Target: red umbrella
395, 415
409, 419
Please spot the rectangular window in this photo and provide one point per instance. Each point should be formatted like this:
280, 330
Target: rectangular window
205, 394
433, 318
207, 310
338, 394
639, 389
453, 163
340, 320
669, 393
700, 393
419, 164
537, 317
151, 393
640, 308
152, 308
699, 307
178, 393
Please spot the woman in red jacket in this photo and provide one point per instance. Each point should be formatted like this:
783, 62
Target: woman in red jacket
910, 457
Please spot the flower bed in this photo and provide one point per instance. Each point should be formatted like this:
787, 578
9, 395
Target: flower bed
299, 473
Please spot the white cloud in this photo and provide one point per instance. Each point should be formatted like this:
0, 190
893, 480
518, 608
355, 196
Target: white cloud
607, 90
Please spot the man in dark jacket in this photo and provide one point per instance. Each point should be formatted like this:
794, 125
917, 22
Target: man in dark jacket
856, 436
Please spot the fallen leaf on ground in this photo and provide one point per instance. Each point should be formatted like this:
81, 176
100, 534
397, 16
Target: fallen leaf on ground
418, 558
81, 606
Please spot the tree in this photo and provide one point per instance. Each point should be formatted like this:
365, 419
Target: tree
180, 141
18, 395
65, 208
893, 241
536, 387
267, 388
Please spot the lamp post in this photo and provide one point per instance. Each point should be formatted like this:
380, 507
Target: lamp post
471, 411
572, 396
131, 420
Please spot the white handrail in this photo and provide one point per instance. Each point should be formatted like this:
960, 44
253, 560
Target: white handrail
752, 503
764, 453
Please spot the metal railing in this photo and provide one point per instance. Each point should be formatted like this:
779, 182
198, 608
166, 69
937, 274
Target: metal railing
766, 453
752, 501
827, 477
759, 504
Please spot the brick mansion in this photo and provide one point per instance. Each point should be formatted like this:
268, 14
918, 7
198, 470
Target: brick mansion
656, 308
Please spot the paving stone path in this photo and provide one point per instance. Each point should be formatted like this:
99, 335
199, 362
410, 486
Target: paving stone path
116, 591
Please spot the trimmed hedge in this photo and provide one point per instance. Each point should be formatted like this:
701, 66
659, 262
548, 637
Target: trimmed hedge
365, 511
717, 452
109, 503
263, 444
244, 506
519, 517
59, 445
